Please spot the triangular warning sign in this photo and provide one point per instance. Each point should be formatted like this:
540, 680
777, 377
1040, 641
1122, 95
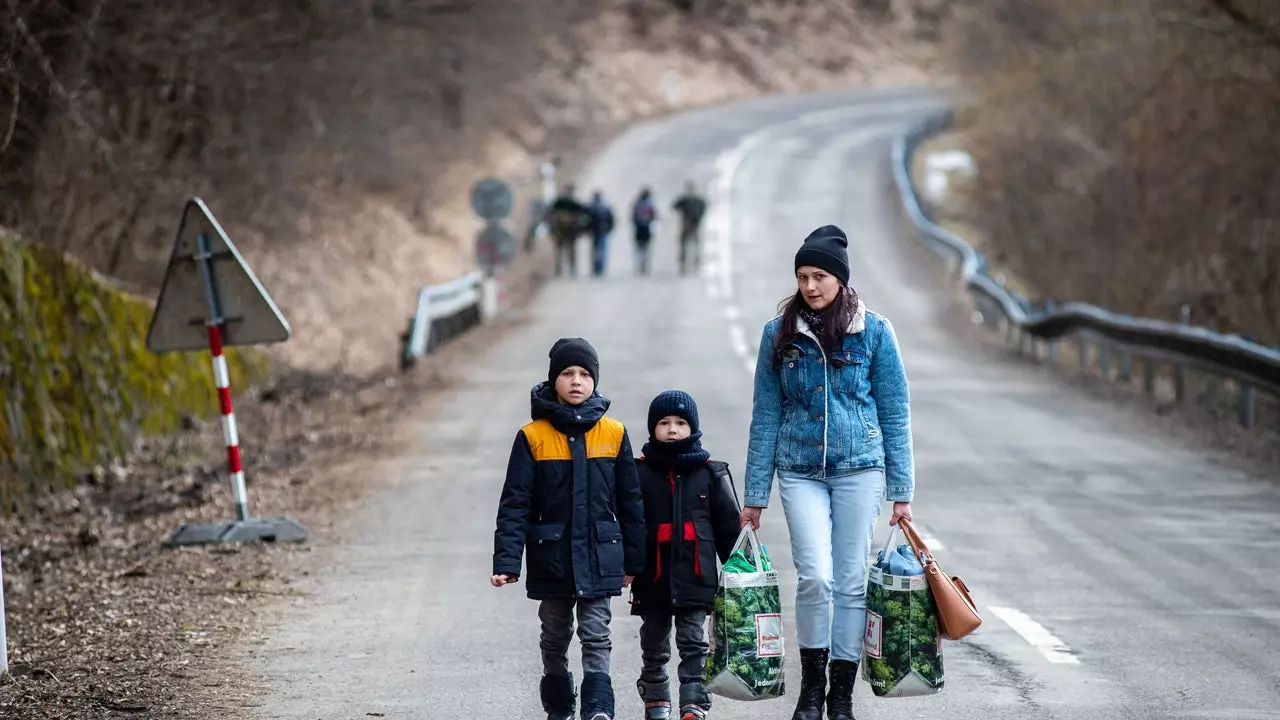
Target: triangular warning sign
206, 274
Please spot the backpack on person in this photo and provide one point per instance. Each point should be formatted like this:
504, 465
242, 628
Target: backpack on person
644, 214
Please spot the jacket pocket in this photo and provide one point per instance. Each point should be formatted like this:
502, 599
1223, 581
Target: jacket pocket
849, 372
609, 554
705, 554
792, 372
545, 549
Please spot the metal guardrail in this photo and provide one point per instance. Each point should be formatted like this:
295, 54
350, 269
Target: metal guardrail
444, 312
1030, 325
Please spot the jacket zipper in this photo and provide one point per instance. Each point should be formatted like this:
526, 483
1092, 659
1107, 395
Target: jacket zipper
677, 529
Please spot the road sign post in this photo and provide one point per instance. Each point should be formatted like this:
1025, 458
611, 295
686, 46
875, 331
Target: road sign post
493, 201
211, 299
548, 172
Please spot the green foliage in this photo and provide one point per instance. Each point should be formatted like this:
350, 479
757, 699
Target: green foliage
908, 638
737, 633
77, 383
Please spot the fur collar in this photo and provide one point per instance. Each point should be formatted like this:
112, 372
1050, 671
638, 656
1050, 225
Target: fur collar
856, 325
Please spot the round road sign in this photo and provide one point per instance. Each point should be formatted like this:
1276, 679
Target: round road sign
495, 247
492, 199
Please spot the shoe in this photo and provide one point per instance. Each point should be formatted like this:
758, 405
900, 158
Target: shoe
813, 684
840, 697
597, 696
558, 697
657, 699
657, 710
695, 703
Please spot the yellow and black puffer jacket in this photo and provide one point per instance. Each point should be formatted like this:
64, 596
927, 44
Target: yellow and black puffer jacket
571, 502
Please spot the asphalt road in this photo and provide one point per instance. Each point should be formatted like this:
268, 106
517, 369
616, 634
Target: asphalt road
1121, 574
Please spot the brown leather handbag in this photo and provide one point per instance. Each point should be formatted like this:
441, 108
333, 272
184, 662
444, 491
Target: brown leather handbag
957, 615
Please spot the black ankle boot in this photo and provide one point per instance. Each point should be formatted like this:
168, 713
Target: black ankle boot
558, 697
813, 684
597, 696
840, 697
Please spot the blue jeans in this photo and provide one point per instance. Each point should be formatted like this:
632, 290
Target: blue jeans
599, 253
831, 522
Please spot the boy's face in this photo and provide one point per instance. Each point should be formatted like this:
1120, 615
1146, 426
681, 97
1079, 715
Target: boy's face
574, 385
671, 428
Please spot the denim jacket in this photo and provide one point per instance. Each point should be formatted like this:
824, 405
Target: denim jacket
816, 416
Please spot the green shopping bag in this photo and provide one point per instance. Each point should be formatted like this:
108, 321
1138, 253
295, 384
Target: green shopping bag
745, 658
902, 648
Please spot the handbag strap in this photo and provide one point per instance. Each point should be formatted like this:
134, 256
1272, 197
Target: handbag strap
915, 541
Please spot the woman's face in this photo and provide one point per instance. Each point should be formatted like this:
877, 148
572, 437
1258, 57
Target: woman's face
818, 287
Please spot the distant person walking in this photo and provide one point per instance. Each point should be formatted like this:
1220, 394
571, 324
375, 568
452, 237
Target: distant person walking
692, 207
601, 226
643, 216
568, 219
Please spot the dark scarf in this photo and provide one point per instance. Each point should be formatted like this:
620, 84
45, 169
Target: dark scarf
676, 455
568, 419
814, 319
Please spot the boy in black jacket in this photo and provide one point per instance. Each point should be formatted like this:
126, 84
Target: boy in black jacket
691, 518
571, 505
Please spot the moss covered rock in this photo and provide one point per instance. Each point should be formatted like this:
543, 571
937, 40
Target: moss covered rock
77, 383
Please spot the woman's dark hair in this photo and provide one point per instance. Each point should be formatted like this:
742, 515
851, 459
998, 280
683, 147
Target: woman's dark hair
836, 318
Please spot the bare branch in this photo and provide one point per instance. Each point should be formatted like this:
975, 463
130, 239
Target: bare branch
1252, 25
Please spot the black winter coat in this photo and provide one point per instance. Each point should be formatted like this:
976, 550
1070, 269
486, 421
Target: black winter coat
571, 502
691, 518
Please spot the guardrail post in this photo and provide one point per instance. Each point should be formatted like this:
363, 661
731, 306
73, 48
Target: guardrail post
1180, 370
1180, 383
1219, 356
1211, 393
1246, 409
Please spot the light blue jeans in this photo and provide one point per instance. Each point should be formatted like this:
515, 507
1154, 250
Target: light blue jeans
831, 522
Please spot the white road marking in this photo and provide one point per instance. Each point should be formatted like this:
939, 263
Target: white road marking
738, 340
719, 271
718, 268
727, 164
1053, 649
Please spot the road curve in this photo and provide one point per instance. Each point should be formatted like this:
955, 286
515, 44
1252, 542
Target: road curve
1121, 574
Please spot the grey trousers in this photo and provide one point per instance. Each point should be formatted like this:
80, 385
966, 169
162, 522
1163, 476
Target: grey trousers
594, 616
655, 649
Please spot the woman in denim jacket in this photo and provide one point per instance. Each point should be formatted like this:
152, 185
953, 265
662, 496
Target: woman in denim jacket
831, 416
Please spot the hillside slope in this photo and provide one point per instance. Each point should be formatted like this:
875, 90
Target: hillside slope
337, 142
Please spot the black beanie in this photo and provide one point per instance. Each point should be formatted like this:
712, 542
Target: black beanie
573, 351
826, 248
673, 402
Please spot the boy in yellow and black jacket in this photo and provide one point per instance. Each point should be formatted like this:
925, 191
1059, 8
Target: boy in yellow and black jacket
571, 505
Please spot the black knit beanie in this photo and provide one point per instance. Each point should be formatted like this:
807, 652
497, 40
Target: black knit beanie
673, 402
826, 248
568, 352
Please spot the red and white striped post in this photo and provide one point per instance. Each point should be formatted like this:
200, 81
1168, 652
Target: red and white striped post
237, 311
222, 380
